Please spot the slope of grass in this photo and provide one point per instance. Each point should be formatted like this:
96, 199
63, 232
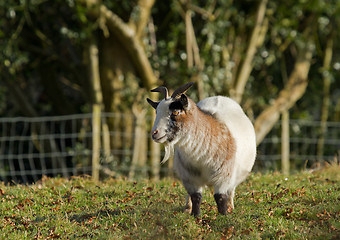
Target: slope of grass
268, 206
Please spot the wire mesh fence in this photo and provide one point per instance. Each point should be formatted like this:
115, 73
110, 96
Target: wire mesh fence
62, 146
32, 147
308, 145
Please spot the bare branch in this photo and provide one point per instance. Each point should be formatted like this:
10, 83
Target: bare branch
247, 65
130, 41
143, 10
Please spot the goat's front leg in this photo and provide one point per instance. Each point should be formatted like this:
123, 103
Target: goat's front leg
195, 195
196, 199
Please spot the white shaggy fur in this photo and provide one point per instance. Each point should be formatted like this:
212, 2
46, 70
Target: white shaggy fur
230, 113
214, 143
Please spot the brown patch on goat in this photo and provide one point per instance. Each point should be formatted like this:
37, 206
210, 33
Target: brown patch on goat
218, 132
221, 137
218, 139
226, 146
231, 146
212, 136
231, 150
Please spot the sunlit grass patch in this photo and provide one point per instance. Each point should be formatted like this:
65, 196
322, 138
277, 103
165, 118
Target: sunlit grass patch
267, 206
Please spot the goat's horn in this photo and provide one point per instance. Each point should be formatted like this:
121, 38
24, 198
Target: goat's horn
162, 90
181, 90
152, 103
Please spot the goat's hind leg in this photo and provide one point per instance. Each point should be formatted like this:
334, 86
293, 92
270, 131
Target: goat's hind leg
230, 202
225, 201
188, 204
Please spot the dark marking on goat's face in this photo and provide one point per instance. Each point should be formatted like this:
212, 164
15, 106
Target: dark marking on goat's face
180, 114
178, 109
170, 118
176, 123
180, 103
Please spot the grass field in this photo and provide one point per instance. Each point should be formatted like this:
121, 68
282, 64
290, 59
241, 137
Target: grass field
267, 206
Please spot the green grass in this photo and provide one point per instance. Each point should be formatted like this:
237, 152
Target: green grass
267, 206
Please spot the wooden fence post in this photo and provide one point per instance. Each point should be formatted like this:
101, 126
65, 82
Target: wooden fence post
285, 143
96, 109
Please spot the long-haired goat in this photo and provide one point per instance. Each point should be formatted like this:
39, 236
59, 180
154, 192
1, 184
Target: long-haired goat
214, 144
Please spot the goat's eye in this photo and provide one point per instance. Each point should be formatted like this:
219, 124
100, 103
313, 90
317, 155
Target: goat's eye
175, 113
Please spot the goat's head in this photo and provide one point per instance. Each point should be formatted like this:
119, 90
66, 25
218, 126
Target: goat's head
170, 113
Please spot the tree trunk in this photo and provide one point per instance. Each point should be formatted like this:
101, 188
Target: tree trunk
44, 146
53, 92
155, 153
326, 97
139, 22
128, 38
21, 100
293, 91
192, 49
140, 140
337, 111
113, 76
112, 72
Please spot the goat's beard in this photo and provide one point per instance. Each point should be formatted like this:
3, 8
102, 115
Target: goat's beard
169, 151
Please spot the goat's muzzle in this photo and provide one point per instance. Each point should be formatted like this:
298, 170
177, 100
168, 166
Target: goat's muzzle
156, 136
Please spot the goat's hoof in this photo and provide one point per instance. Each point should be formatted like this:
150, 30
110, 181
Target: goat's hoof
221, 200
196, 214
187, 209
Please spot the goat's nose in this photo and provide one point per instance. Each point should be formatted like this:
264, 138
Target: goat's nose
154, 133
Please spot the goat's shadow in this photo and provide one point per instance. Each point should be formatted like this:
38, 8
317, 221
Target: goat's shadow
83, 217
103, 213
158, 215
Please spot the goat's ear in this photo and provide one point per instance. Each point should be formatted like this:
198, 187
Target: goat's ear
152, 103
184, 101
181, 103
